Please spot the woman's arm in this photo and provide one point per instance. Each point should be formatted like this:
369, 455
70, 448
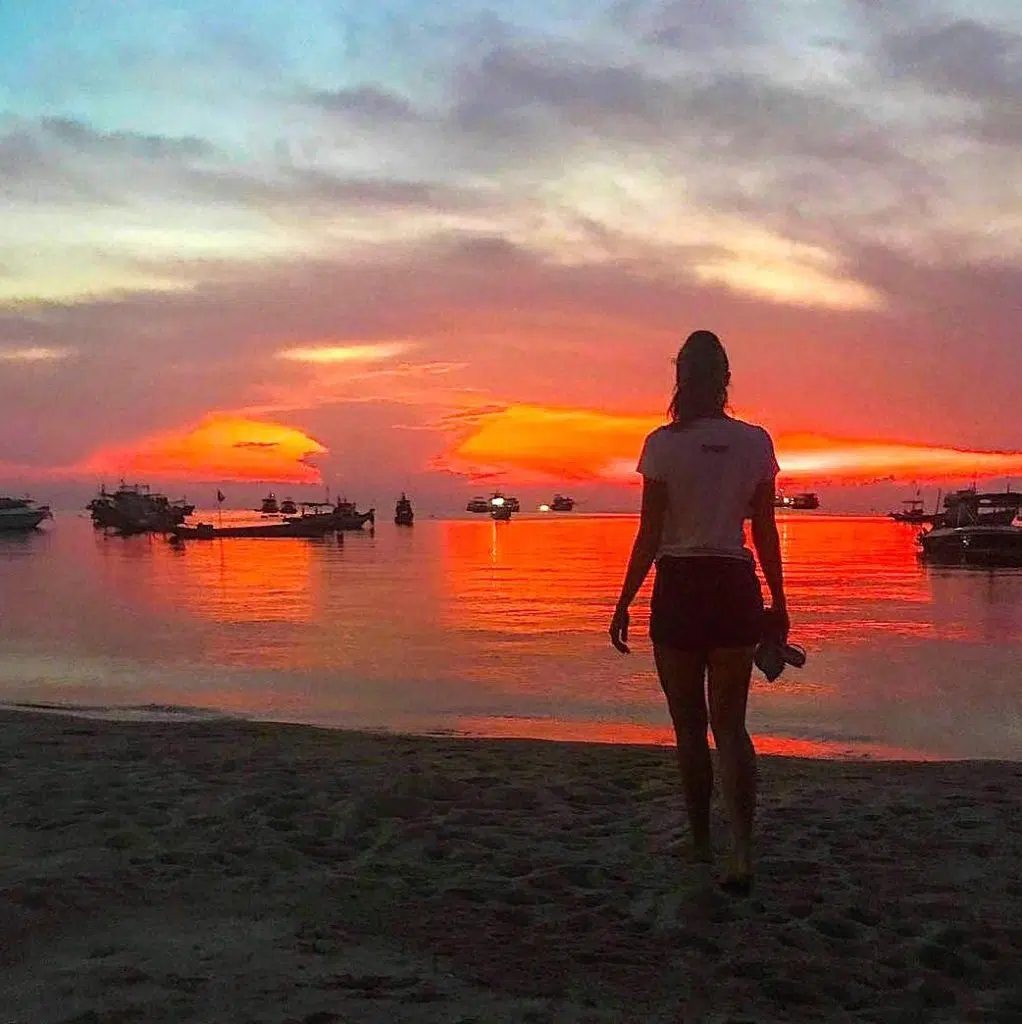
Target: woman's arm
768, 549
644, 549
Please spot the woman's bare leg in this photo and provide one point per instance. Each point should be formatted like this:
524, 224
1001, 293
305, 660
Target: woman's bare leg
682, 676
730, 671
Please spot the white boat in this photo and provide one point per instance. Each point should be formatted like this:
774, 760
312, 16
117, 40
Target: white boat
21, 514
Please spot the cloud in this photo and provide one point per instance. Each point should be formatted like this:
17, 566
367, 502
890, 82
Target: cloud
584, 444
371, 102
348, 353
34, 354
223, 446
968, 61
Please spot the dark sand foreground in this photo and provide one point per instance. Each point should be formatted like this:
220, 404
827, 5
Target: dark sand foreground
255, 873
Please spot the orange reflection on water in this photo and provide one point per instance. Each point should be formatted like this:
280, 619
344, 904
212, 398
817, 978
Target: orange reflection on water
852, 577
561, 574
529, 576
243, 580
563, 731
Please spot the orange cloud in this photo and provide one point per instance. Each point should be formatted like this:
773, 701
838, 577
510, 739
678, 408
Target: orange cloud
221, 447
567, 443
582, 444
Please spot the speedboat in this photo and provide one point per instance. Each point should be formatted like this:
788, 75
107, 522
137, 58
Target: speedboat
21, 514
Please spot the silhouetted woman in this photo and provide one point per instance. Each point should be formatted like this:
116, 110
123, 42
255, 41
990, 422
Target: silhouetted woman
703, 475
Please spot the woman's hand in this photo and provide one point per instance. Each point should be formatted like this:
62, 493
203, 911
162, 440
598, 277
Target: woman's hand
776, 624
619, 630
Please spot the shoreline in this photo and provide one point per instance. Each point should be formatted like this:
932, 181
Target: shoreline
226, 870
620, 734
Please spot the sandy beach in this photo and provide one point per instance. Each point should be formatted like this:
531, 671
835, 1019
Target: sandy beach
237, 872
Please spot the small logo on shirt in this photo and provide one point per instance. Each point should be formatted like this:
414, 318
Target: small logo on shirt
716, 449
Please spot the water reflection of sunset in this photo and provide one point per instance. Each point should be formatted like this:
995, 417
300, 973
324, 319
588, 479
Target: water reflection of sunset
848, 577
533, 576
549, 575
500, 629
240, 580
662, 736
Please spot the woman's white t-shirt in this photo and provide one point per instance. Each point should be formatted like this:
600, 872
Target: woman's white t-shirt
711, 467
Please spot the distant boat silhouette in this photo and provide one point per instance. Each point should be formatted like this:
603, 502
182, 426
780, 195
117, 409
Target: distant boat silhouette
803, 501
403, 513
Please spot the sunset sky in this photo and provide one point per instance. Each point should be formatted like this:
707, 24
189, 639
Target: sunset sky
430, 246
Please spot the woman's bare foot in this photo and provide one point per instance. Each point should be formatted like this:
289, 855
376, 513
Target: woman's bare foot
738, 874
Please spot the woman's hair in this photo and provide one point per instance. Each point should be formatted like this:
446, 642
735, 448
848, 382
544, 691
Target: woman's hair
701, 380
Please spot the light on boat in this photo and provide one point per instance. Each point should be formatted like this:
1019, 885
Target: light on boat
544, 508
497, 501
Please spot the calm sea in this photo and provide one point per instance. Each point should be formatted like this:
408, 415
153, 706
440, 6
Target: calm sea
498, 629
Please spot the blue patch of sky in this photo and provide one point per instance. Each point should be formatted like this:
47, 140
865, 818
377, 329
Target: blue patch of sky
136, 64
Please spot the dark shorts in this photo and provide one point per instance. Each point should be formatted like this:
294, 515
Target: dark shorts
705, 602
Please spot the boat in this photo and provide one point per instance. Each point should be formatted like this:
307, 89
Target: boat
19, 515
300, 526
269, 506
403, 512
134, 508
804, 501
977, 544
970, 507
288, 507
496, 500
501, 507
562, 503
914, 513
346, 516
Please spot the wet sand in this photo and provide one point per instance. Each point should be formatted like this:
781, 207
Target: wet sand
238, 872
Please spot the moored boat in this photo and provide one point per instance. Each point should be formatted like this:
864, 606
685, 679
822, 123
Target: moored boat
346, 516
502, 513
301, 526
288, 507
495, 500
404, 515
913, 512
970, 507
134, 508
985, 545
19, 515
803, 501
269, 506
562, 503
